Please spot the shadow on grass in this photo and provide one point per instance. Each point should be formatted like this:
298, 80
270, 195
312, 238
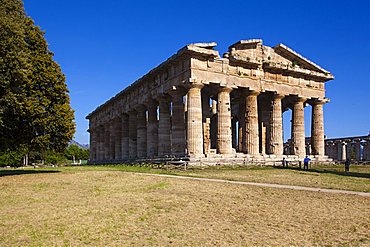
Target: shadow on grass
12, 172
325, 171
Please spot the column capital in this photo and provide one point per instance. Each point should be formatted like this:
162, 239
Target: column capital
318, 101
226, 89
163, 98
151, 103
194, 85
298, 99
278, 96
177, 91
140, 108
246, 92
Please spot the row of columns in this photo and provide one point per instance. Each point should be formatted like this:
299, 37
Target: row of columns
143, 133
358, 149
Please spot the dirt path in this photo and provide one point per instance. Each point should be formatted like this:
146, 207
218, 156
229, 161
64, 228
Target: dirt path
279, 186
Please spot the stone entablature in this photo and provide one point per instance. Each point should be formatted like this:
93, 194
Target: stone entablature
199, 104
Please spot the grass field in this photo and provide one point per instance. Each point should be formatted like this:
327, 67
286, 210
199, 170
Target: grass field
112, 206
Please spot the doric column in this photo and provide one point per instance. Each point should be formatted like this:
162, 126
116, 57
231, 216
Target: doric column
178, 123
366, 150
106, 142
194, 121
342, 153
93, 144
112, 140
141, 131
152, 129
251, 123
118, 139
298, 132
224, 142
98, 143
276, 126
164, 126
317, 128
358, 150
349, 149
132, 134
125, 143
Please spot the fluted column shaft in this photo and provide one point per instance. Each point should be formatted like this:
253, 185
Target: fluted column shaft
298, 132
224, 138
152, 130
125, 143
194, 121
141, 132
317, 130
251, 123
349, 150
358, 150
276, 134
178, 124
118, 139
132, 134
112, 140
342, 153
93, 144
164, 126
98, 143
106, 142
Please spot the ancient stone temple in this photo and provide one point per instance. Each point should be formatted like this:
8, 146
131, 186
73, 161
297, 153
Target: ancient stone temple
356, 148
207, 109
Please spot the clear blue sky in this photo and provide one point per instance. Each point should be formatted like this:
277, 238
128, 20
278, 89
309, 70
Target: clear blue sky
103, 46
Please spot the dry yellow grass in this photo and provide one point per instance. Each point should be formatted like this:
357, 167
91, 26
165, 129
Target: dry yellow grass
330, 177
117, 208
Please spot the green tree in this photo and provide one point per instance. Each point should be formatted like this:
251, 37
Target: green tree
35, 112
74, 152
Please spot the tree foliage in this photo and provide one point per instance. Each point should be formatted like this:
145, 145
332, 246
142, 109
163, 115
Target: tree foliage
74, 152
35, 112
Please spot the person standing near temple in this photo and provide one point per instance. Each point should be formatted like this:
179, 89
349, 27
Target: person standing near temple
346, 165
305, 163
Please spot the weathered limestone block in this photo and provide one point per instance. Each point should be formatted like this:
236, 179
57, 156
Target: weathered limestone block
125, 143
276, 135
194, 121
152, 129
298, 132
141, 132
317, 131
164, 126
224, 142
132, 134
251, 122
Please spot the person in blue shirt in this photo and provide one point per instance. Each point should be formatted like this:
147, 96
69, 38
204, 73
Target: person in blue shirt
305, 163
